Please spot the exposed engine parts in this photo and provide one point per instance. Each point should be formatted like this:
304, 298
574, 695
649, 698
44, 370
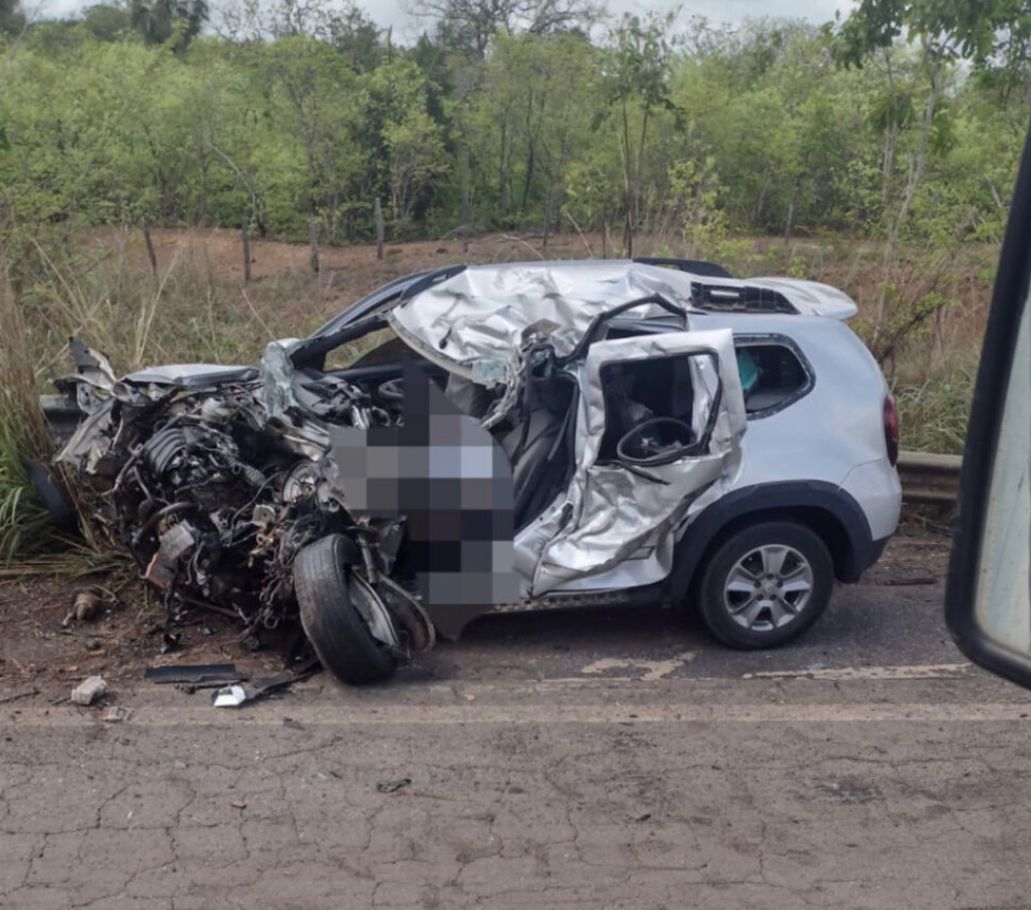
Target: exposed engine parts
214, 499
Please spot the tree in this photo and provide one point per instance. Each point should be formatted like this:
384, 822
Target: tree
168, 21
636, 74
942, 33
12, 20
471, 24
106, 21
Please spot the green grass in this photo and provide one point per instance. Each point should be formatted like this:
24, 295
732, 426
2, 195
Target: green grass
933, 414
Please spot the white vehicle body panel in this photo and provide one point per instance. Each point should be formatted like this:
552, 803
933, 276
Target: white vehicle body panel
479, 315
613, 513
473, 324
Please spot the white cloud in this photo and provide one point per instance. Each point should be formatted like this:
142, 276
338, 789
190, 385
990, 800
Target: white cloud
392, 12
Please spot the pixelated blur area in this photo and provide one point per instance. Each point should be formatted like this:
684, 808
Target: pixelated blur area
453, 483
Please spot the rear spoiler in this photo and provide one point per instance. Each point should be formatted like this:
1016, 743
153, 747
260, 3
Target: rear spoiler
757, 295
810, 298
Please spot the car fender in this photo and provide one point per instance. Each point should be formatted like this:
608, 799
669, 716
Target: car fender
837, 517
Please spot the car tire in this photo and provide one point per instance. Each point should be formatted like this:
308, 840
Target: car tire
765, 585
52, 497
324, 584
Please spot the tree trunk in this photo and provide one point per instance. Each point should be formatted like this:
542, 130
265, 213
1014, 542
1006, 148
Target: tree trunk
245, 235
313, 244
377, 214
761, 202
547, 214
151, 255
914, 176
466, 195
789, 222
503, 167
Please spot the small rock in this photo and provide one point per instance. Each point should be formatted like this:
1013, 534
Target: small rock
94, 644
238, 803
179, 765
115, 715
392, 786
88, 605
89, 690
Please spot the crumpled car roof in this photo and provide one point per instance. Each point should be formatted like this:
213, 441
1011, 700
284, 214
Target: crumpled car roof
478, 316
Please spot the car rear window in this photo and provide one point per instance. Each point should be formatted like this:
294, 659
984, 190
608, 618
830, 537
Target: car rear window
772, 376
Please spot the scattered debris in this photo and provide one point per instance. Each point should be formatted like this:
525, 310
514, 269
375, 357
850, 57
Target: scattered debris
179, 765
392, 786
170, 642
14, 696
89, 690
88, 604
234, 696
230, 697
238, 803
292, 724
194, 673
115, 715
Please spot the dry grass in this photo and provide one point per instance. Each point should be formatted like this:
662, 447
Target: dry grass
98, 285
933, 414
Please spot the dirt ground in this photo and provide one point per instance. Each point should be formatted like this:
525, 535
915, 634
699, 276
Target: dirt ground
41, 650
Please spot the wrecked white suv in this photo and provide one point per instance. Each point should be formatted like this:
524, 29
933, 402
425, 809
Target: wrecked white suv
514, 437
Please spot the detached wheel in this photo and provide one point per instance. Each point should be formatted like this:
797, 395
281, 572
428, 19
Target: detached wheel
765, 585
345, 620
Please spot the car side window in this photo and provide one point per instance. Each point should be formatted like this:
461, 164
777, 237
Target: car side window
773, 375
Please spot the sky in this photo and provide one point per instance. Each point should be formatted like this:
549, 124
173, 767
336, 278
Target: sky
391, 12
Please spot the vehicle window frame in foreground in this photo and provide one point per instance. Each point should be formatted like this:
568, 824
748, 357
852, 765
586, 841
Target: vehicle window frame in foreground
1009, 301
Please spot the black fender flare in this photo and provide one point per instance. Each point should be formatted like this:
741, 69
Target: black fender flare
830, 511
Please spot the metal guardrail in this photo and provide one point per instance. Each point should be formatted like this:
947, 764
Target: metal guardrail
928, 478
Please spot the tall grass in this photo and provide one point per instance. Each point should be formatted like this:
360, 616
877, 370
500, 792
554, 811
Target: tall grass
99, 287
933, 413
24, 523
101, 293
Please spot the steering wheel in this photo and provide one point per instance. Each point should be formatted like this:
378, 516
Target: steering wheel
657, 440
392, 391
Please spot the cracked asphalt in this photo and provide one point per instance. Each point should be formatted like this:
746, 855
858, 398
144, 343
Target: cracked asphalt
598, 759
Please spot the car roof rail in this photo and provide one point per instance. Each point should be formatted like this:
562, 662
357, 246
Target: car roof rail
696, 266
427, 281
748, 298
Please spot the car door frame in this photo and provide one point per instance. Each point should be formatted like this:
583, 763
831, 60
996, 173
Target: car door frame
574, 557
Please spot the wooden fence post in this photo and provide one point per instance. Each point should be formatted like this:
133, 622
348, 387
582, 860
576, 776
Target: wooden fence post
151, 255
246, 249
377, 212
313, 243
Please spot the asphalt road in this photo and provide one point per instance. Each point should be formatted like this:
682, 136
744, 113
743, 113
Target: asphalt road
591, 759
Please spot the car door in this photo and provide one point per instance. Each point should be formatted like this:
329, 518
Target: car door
621, 515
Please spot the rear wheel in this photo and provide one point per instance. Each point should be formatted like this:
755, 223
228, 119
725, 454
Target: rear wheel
766, 584
347, 623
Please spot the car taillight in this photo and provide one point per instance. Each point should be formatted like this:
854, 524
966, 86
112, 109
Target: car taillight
891, 429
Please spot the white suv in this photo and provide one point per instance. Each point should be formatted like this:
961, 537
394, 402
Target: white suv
584, 433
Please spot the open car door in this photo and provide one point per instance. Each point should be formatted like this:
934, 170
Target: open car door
660, 422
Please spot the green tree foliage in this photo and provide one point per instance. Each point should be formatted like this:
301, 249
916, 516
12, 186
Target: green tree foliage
174, 22
12, 21
892, 125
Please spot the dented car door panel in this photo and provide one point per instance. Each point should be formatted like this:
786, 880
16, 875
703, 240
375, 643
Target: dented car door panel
617, 514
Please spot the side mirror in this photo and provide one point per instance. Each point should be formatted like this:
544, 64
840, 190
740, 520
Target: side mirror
988, 599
